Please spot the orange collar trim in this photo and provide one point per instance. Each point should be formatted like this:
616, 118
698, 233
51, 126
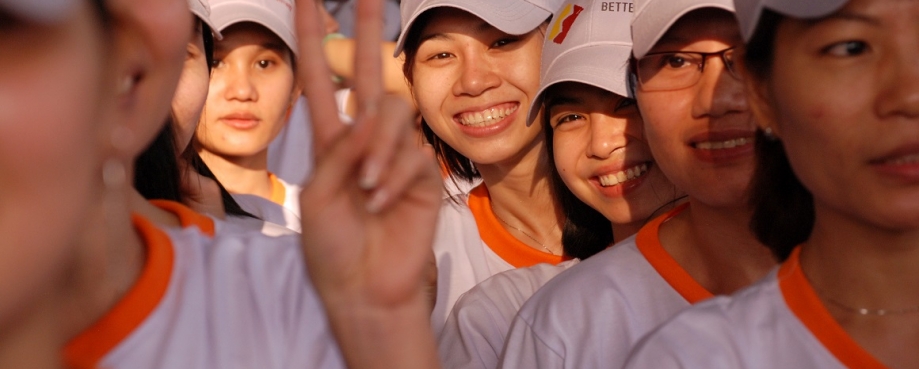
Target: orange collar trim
187, 216
88, 348
806, 305
278, 192
649, 244
509, 248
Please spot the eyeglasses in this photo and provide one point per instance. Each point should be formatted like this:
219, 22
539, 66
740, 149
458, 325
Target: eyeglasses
671, 70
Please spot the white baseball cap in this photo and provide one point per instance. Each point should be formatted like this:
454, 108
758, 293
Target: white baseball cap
748, 11
42, 11
203, 11
588, 42
653, 18
514, 17
276, 15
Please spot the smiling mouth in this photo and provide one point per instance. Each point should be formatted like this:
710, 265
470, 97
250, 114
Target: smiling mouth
614, 179
903, 160
488, 116
726, 144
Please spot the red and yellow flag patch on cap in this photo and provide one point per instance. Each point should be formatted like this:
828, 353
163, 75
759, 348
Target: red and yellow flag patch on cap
563, 22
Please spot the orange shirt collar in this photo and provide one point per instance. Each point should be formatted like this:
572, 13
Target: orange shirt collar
508, 248
88, 348
278, 192
806, 305
649, 244
187, 216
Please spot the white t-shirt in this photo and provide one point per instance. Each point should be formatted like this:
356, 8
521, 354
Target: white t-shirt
212, 300
283, 208
592, 315
779, 322
474, 334
471, 245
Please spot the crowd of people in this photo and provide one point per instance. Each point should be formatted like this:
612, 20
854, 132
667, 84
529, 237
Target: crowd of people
508, 184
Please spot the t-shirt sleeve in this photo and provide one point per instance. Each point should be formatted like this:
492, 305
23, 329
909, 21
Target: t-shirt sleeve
473, 335
692, 339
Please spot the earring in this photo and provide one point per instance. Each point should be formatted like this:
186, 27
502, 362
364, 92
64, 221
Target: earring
125, 85
768, 133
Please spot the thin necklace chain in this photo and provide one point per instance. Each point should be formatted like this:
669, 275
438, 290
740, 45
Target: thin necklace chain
866, 311
521, 231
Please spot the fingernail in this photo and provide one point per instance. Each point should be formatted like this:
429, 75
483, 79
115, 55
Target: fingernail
376, 201
371, 175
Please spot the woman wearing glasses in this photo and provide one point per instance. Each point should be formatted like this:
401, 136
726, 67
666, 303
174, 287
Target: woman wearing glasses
843, 213
701, 134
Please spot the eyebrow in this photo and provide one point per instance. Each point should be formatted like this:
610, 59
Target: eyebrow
433, 36
274, 46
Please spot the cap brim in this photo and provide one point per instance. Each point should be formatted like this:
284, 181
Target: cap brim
748, 12
602, 65
658, 16
226, 14
513, 17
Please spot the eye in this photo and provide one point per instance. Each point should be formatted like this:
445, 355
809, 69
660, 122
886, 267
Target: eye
216, 62
568, 118
675, 61
440, 56
846, 48
624, 103
504, 42
264, 63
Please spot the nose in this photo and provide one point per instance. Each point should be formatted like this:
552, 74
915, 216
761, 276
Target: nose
238, 85
477, 75
607, 134
718, 92
899, 85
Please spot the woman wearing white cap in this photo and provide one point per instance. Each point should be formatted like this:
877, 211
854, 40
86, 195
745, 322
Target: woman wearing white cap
700, 132
596, 140
473, 70
836, 196
129, 293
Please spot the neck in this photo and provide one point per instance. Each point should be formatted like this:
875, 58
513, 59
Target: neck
243, 175
862, 265
521, 196
716, 247
33, 339
109, 258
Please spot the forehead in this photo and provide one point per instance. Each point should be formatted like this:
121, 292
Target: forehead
708, 24
249, 33
444, 20
575, 92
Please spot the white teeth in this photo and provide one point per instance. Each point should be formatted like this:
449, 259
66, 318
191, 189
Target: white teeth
709, 145
903, 160
613, 179
487, 117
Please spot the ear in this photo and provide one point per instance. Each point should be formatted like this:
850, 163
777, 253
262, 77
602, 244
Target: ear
294, 96
147, 62
759, 99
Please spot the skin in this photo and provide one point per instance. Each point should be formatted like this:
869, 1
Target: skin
43, 145
598, 133
465, 66
864, 175
675, 121
191, 93
252, 92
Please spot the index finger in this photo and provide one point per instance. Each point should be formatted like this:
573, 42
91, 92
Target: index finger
368, 83
315, 75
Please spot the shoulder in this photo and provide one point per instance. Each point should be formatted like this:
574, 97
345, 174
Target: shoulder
722, 332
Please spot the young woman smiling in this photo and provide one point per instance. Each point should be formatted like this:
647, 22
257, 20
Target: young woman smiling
474, 71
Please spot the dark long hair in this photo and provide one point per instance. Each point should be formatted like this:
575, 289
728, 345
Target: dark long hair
783, 209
